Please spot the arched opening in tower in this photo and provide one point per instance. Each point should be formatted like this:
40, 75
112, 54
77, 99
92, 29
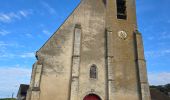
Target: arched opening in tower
92, 97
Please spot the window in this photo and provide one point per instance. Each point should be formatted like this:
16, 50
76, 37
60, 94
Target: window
93, 72
121, 9
104, 1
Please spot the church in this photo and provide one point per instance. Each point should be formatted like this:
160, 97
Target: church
96, 54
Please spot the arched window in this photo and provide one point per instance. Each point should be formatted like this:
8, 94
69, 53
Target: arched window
93, 72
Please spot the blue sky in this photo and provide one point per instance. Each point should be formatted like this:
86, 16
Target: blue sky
25, 25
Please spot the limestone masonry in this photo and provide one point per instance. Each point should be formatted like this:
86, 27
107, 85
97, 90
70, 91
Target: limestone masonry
96, 54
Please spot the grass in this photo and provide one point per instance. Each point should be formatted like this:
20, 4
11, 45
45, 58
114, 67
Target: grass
8, 99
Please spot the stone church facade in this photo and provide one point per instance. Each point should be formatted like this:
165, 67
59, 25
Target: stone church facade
97, 54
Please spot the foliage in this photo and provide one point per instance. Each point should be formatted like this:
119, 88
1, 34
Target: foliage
163, 88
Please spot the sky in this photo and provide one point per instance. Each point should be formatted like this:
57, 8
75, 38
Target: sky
25, 25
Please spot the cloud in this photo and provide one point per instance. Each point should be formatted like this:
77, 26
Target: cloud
9, 44
4, 32
4, 46
46, 32
11, 78
164, 35
8, 55
150, 38
24, 13
4, 17
28, 35
49, 8
27, 55
2, 43
11, 16
157, 53
159, 78
161, 35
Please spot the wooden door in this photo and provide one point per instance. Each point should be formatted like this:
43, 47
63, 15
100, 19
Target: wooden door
92, 97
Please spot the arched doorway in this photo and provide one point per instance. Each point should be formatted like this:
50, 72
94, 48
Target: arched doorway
91, 97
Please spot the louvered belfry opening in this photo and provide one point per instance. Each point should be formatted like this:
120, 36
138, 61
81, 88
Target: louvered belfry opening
121, 9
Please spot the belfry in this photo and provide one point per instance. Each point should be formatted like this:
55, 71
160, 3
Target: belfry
96, 54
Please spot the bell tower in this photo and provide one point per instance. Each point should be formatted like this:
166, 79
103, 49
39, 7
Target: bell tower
97, 54
125, 55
